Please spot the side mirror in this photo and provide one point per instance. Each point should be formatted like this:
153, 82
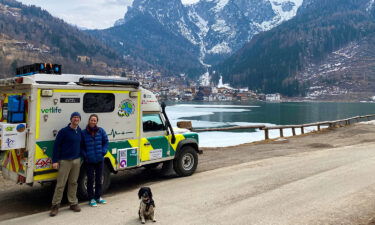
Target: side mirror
163, 105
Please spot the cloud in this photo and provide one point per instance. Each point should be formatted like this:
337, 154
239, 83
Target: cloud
91, 14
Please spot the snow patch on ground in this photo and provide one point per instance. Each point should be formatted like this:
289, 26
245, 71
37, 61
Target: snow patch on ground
371, 122
189, 2
203, 29
348, 51
200, 22
220, 4
220, 48
282, 15
370, 5
186, 32
220, 26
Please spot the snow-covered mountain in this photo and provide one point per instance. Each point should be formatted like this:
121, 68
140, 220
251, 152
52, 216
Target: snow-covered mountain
226, 25
216, 28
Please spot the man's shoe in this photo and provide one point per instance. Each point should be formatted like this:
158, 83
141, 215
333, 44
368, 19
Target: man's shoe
92, 203
54, 210
101, 201
75, 208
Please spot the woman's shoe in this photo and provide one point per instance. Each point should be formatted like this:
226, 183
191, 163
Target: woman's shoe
101, 201
93, 203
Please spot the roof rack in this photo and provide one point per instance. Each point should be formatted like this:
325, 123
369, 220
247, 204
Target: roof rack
47, 68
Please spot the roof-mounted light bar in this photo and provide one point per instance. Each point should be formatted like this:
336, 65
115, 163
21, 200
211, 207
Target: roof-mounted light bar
109, 82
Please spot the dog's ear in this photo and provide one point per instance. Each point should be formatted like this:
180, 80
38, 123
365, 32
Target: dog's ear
140, 193
150, 193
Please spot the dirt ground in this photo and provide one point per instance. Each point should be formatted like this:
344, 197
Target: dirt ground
17, 200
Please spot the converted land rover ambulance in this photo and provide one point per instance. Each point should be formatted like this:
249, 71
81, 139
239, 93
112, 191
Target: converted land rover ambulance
38, 102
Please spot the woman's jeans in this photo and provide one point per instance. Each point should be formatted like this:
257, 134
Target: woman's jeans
94, 172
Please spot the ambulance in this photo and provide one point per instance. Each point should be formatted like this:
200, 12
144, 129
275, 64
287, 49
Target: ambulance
38, 102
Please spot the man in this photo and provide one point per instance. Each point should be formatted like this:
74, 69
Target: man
66, 159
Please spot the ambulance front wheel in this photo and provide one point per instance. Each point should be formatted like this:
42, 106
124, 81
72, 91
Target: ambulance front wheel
186, 161
82, 182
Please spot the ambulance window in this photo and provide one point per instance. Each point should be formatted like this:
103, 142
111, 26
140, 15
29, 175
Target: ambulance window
152, 122
98, 102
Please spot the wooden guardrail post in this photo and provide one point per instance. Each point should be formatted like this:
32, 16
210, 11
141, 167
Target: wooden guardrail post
302, 131
281, 132
266, 135
318, 127
294, 131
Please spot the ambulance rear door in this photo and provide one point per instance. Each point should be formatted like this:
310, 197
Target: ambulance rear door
14, 123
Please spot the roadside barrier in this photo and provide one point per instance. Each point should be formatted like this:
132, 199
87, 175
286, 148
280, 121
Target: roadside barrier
330, 124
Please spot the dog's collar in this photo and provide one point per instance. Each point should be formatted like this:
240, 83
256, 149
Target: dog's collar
149, 203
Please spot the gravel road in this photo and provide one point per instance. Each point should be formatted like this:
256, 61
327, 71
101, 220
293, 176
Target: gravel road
323, 178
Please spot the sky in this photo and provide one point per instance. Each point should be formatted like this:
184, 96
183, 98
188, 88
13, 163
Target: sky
91, 14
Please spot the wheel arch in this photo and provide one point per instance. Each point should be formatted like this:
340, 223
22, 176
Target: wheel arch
107, 162
187, 142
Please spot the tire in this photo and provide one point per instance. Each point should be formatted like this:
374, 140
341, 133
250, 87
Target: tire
186, 161
106, 178
82, 182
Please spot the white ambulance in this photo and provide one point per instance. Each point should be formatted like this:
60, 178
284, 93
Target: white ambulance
34, 105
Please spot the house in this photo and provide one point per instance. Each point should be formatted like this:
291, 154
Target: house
273, 97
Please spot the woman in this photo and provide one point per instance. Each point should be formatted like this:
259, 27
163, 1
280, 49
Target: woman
95, 142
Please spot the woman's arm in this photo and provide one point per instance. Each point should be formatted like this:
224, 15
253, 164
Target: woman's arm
104, 142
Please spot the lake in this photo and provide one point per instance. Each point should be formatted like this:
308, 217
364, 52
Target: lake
226, 114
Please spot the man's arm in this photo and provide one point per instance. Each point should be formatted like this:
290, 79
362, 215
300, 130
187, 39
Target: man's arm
83, 146
57, 149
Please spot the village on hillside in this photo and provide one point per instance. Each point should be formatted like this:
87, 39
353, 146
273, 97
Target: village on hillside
182, 88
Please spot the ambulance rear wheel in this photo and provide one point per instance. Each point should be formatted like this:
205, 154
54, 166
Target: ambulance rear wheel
82, 182
186, 161
106, 179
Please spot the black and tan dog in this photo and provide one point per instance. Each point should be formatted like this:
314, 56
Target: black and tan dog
147, 205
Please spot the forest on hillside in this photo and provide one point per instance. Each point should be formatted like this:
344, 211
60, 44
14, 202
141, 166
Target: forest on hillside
271, 60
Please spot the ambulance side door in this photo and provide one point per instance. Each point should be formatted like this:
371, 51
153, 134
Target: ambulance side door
154, 142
